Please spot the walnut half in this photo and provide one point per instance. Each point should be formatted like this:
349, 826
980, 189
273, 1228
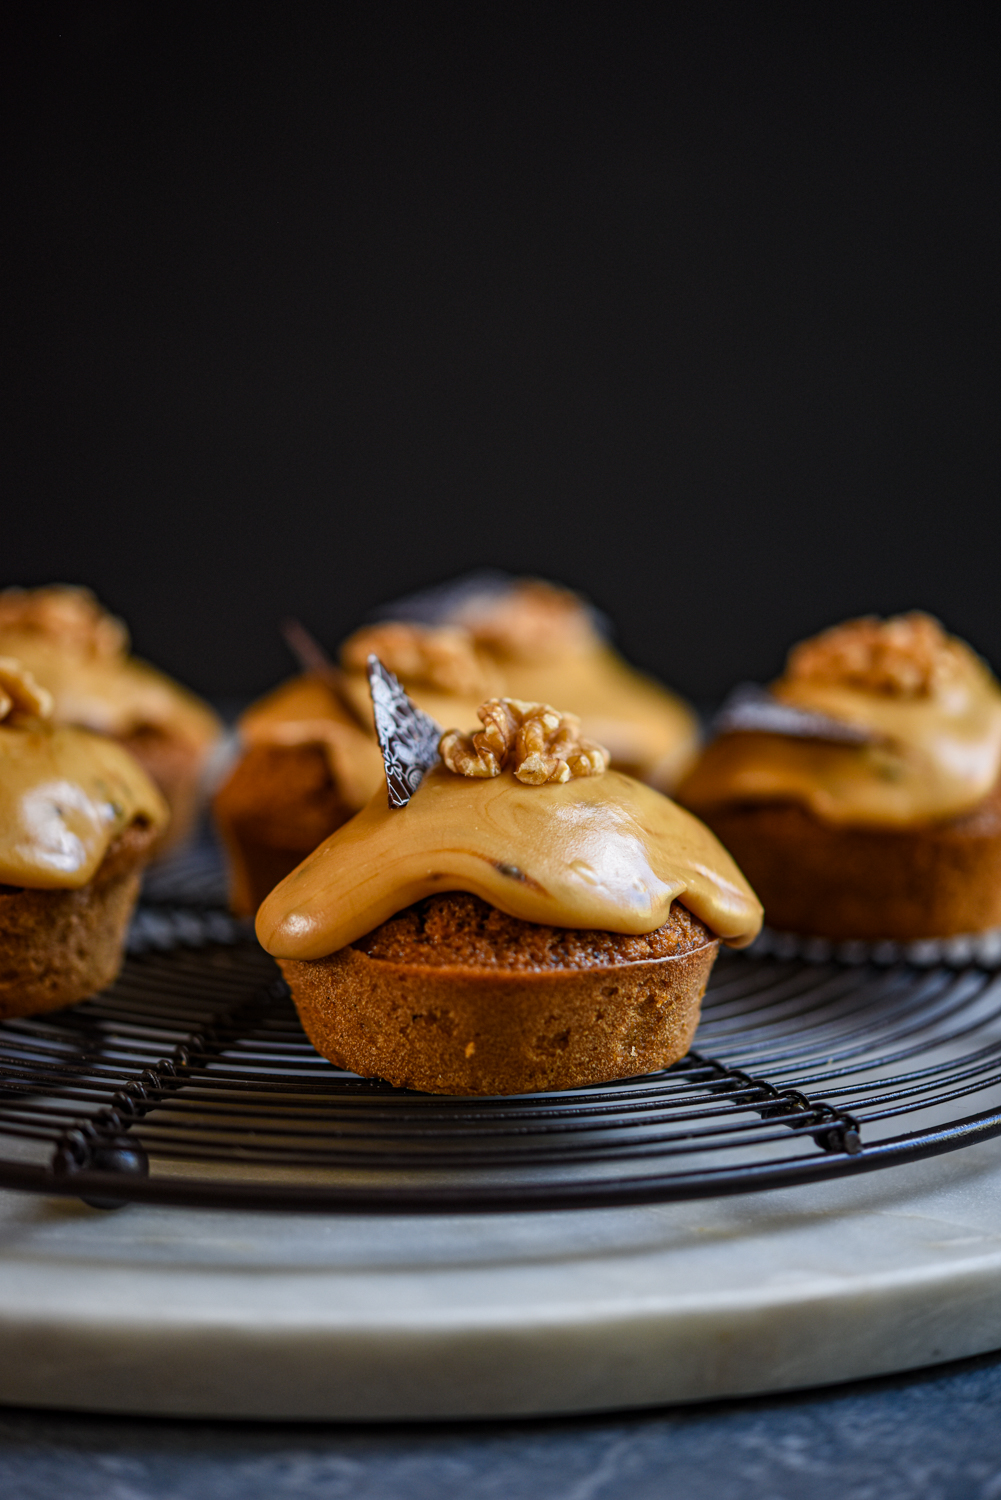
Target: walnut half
68, 616
907, 656
530, 621
21, 697
537, 742
440, 657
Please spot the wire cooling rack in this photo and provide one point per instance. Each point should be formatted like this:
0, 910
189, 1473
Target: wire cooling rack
190, 1081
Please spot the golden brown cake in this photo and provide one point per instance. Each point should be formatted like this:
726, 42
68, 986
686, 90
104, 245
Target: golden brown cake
878, 816
80, 654
307, 766
534, 641
322, 763
529, 919
478, 1002
78, 818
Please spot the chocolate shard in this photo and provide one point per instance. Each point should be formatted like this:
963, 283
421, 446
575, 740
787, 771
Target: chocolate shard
408, 738
313, 660
753, 709
306, 649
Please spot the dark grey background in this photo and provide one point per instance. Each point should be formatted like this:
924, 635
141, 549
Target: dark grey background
693, 305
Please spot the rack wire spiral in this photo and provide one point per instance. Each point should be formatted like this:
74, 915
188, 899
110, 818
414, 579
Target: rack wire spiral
190, 1081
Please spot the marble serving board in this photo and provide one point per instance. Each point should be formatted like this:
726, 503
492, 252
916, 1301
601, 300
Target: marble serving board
188, 1312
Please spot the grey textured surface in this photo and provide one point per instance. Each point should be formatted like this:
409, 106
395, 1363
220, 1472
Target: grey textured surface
934, 1435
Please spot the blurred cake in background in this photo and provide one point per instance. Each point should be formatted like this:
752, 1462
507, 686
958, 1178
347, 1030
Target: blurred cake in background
546, 644
79, 653
307, 765
78, 818
861, 793
310, 758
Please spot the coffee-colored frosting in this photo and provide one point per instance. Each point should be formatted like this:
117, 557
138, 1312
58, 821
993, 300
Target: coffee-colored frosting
930, 705
308, 711
537, 643
601, 852
65, 794
646, 729
79, 652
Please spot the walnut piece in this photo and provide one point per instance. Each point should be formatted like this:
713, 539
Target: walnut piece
907, 656
537, 742
441, 657
532, 621
69, 616
21, 697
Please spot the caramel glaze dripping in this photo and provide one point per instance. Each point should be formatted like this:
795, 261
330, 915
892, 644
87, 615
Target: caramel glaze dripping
650, 732
113, 695
601, 852
308, 711
65, 794
933, 757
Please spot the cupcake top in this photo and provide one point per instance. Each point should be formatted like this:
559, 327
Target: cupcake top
537, 642
441, 667
890, 723
65, 794
80, 654
524, 814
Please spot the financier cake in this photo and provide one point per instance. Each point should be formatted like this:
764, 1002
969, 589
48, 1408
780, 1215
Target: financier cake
861, 794
79, 653
528, 920
543, 643
78, 817
309, 756
305, 767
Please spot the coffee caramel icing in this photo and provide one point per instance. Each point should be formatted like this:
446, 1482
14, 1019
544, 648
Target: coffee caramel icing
931, 712
80, 653
601, 852
545, 644
536, 642
308, 711
646, 729
65, 793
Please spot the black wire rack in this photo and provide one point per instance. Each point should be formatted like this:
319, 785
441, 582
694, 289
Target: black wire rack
190, 1081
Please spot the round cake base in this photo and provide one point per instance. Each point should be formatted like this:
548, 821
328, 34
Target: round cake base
214, 1314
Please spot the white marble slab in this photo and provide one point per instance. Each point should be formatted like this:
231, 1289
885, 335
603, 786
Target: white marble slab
231, 1314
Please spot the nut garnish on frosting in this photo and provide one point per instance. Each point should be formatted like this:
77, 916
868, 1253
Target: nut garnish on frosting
80, 654
536, 742
441, 657
925, 712
65, 794
908, 656
532, 621
66, 615
21, 697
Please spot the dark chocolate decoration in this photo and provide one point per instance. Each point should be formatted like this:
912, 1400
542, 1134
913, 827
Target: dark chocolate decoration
306, 649
753, 709
314, 661
408, 738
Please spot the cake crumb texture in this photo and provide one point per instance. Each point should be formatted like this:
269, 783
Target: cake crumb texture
277, 805
871, 883
59, 946
454, 997
459, 929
